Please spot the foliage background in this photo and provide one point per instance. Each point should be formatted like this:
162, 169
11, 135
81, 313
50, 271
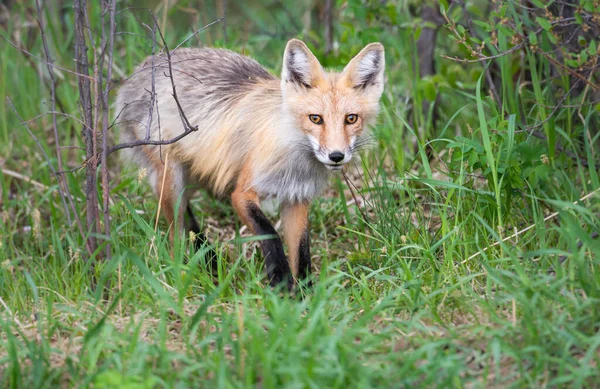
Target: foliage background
410, 289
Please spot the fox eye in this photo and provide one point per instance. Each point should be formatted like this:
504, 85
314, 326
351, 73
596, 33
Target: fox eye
351, 119
317, 119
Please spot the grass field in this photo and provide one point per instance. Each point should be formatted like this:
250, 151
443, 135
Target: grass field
472, 266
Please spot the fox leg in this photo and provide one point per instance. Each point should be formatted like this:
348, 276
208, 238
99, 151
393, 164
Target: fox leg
246, 204
295, 233
169, 183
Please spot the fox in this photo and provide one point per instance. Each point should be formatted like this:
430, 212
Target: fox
259, 137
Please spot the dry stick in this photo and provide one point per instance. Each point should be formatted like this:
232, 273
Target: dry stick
67, 115
551, 216
153, 92
196, 33
105, 126
328, 18
129, 145
188, 128
184, 120
85, 101
569, 70
42, 60
485, 57
64, 187
19, 176
162, 187
105, 123
39, 185
223, 13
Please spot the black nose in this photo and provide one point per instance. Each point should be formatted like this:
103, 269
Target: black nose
336, 156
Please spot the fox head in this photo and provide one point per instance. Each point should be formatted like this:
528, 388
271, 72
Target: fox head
332, 110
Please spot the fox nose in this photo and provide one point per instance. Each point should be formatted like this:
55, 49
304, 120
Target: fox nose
336, 156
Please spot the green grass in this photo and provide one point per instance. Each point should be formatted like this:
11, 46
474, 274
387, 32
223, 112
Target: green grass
400, 299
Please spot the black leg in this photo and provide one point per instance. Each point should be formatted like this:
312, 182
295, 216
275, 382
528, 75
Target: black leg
304, 265
201, 241
276, 262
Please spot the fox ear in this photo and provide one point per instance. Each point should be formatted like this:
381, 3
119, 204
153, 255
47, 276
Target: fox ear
300, 66
365, 71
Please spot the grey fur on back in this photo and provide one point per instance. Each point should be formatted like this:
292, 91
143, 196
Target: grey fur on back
214, 76
209, 83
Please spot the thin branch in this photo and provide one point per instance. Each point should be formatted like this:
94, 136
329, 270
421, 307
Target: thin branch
328, 19
569, 70
188, 128
184, 120
153, 92
111, 4
150, 142
44, 61
85, 101
191, 36
20, 176
64, 187
485, 58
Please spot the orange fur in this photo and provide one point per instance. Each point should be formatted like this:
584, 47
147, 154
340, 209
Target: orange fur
295, 223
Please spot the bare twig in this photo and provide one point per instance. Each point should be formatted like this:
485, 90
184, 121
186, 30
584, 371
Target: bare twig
222, 9
328, 18
44, 61
20, 176
111, 5
569, 70
153, 92
486, 57
162, 187
64, 187
29, 180
191, 36
85, 100
150, 142
188, 128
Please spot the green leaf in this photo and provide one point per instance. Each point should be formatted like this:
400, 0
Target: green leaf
538, 4
592, 50
429, 90
533, 38
546, 25
486, 26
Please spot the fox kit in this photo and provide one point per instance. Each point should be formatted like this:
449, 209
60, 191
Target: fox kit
258, 136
